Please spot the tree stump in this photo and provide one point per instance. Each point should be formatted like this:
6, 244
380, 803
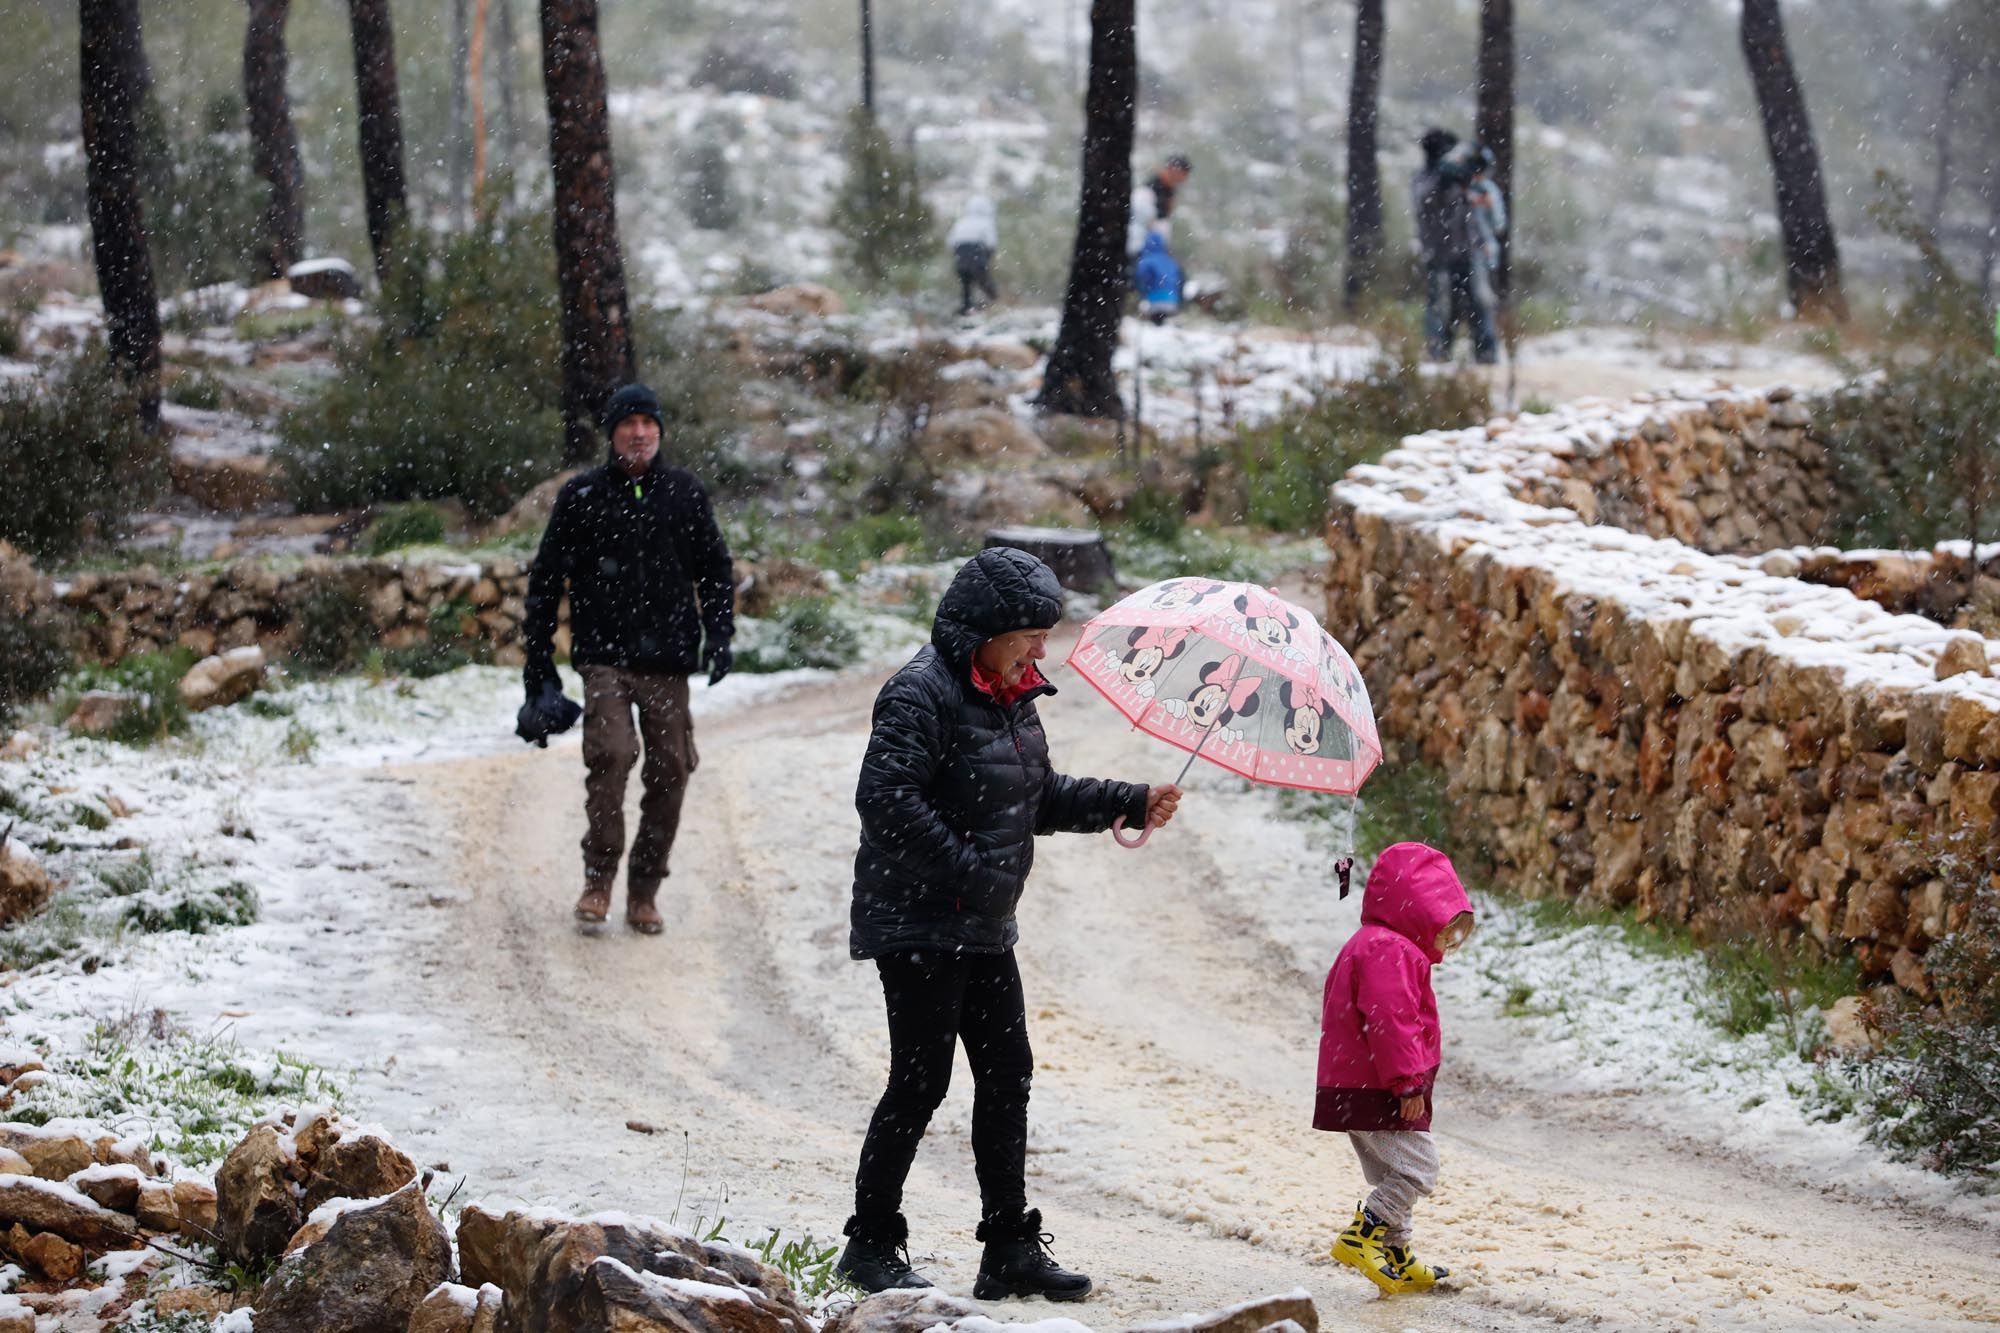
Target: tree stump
1077, 555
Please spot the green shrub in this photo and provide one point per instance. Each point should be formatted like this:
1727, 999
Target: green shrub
1155, 514
204, 207
1916, 453
34, 657
880, 209
457, 392
1289, 467
152, 680
1933, 1093
867, 538
807, 632
196, 910
198, 389
707, 190
334, 629
699, 386
400, 525
78, 435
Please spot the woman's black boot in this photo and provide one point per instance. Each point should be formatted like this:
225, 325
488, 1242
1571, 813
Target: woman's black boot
1017, 1262
877, 1257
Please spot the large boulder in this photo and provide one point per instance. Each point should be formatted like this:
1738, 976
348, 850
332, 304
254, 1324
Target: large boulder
328, 279
911, 1311
215, 682
285, 1168
98, 711
227, 483
564, 1275
375, 1264
24, 885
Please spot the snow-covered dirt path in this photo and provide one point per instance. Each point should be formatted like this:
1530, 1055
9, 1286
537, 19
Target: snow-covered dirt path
1173, 1001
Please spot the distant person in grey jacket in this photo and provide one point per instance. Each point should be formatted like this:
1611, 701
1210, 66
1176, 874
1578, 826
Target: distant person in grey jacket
974, 239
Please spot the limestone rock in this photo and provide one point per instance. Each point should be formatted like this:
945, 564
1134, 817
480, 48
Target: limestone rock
113, 1187
1962, 654
194, 1205
1849, 1026
215, 682
1006, 354
14, 1316
1293, 1307
255, 1210
51, 1154
13, 1164
24, 885
361, 1167
98, 711
913, 1311
46, 1253
979, 434
368, 1274
225, 483
764, 586
451, 1308
204, 1302
155, 1207
567, 1275
798, 299
46, 1205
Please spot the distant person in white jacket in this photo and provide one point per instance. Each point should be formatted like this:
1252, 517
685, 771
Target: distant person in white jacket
1153, 204
973, 240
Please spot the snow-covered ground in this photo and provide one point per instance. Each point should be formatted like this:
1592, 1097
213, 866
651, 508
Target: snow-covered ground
328, 806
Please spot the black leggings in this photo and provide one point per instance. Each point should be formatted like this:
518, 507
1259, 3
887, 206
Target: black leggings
936, 1000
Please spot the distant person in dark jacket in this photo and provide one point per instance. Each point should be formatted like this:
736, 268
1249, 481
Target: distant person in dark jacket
955, 787
636, 548
1448, 237
973, 239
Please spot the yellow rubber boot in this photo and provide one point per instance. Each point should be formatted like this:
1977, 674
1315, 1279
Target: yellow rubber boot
1360, 1248
1412, 1273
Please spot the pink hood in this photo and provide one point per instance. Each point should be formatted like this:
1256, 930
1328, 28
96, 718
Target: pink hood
1379, 1037
1414, 891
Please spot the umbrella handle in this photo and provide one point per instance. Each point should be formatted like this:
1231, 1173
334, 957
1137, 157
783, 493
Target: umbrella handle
1118, 832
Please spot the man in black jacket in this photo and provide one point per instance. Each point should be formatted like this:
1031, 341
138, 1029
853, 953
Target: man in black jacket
955, 786
636, 547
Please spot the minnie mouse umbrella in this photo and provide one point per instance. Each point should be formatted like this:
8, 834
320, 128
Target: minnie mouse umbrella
1234, 674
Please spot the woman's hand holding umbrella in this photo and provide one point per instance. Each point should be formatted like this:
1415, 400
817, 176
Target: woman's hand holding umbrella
1161, 802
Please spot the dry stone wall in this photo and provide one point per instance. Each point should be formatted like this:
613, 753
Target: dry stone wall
1635, 720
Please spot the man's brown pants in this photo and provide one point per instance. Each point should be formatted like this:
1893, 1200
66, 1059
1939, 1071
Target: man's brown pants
611, 745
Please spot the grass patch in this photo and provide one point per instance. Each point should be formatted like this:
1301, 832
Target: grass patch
150, 680
191, 1098
1288, 467
1139, 553
196, 910
399, 525
808, 632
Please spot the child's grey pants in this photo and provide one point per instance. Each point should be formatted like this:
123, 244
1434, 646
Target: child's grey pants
1399, 1165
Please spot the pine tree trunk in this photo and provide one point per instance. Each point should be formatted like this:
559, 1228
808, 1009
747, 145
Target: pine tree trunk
114, 80
1941, 184
867, 60
1988, 250
1495, 116
475, 60
1364, 169
274, 144
1812, 255
1079, 379
597, 337
381, 128
510, 112
458, 142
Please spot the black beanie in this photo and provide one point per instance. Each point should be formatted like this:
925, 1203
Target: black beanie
627, 401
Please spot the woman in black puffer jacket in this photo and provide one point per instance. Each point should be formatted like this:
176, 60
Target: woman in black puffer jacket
955, 787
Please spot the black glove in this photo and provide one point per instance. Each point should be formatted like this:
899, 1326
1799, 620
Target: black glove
716, 659
546, 713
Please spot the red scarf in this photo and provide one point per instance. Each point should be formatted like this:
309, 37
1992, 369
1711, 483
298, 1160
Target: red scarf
1004, 695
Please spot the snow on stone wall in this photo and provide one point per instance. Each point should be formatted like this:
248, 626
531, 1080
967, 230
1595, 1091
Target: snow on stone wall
1641, 721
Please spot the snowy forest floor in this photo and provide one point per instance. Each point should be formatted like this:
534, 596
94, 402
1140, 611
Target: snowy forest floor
416, 874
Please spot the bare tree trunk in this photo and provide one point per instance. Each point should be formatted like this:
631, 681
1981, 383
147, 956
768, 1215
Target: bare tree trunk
458, 143
1079, 379
274, 144
510, 109
596, 321
1364, 169
1812, 255
114, 81
381, 128
1954, 75
1991, 247
868, 60
1495, 116
475, 60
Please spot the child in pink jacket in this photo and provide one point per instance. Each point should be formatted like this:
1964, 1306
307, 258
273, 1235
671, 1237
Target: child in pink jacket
1379, 1053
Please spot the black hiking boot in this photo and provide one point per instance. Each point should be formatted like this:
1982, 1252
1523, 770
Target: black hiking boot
877, 1257
1017, 1262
